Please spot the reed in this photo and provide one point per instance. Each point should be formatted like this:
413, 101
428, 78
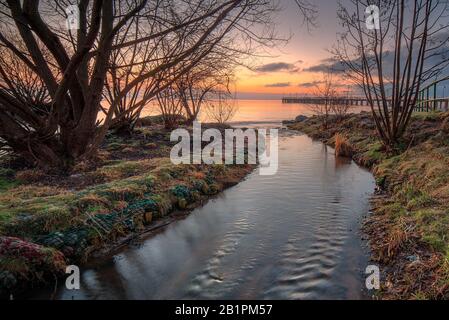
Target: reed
342, 146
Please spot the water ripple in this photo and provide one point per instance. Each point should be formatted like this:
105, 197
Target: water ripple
286, 236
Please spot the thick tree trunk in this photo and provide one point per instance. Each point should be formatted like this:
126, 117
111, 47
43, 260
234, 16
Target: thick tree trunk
45, 154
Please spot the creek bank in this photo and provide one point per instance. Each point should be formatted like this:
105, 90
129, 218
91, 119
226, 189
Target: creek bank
408, 230
48, 221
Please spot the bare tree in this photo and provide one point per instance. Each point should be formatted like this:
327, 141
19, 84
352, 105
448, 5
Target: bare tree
197, 87
392, 62
65, 132
21, 81
170, 106
194, 81
222, 109
308, 11
341, 108
75, 71
326, 91
125, 65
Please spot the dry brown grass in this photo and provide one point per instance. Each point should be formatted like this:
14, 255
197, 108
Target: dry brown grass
409, 228
342, 146
30, 175
445, 123
198, 175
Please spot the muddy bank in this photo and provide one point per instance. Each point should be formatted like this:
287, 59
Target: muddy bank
408, 231
48, 220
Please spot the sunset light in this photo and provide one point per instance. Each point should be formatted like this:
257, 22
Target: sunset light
223, 159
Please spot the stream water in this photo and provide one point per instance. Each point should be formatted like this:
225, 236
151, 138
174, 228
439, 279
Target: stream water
294, 235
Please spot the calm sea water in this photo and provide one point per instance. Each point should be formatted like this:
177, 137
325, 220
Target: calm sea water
260, 111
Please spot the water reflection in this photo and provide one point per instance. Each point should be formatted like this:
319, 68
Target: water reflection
289, 236
261, 111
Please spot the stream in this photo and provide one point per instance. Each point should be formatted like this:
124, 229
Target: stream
293, 235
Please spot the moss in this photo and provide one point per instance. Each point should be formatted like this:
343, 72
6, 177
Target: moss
28, 216
120, 191
114, 146
33, 210
374, 153
427, 116
164, 204
435, 228
123, 169
214, 189
149, 181
181, 192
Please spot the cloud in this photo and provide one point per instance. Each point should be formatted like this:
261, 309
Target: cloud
436, 57
312, 84
278, 67
326, 65
278, 85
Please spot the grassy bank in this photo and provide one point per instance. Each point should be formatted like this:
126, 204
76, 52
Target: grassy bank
409, 228
48, 221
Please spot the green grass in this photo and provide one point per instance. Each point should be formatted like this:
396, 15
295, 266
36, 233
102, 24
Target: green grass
374, 151
7, 180
427, 116
416, 179
416, 212
32, 210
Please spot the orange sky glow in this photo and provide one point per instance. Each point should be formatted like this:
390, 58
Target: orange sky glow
305, 50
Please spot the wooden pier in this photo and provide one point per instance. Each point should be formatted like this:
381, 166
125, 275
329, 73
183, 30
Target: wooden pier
427, 98
422, 105
319, 100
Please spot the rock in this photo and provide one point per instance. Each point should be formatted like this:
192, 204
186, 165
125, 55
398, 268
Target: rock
205, 189
182, 203
413, 258
196, 196
148, 217
301, 118
214, 189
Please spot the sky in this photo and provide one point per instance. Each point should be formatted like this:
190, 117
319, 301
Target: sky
286, 71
